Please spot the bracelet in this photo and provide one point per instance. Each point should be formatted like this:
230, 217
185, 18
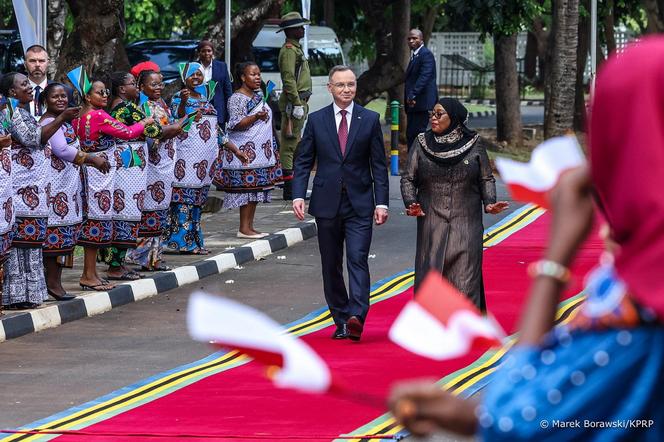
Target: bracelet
550, 269
80, 158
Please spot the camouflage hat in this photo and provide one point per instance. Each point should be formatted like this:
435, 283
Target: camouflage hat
292, 20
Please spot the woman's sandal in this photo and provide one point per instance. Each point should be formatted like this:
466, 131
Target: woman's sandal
101, 287
129, 275
157, 268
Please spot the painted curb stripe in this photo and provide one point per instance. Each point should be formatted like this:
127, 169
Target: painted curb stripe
89, 304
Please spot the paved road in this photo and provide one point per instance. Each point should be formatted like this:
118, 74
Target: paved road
48, 372
529, 115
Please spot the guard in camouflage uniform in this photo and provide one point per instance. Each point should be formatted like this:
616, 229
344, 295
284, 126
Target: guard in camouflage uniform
296, 81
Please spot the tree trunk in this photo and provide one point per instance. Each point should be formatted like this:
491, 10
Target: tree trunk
542, 37
431, 13
508, 105
386, 71
559, 91
92, 44
328, 13
57, 14
401, 51
244, 28
654, 10
530, 59
581, 61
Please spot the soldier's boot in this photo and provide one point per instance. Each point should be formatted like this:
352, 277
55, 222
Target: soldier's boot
288, 185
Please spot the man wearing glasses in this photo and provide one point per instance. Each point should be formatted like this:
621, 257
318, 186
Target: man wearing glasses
350, 192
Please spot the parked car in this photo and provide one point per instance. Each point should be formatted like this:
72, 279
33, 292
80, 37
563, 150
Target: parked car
11, 52
166, 53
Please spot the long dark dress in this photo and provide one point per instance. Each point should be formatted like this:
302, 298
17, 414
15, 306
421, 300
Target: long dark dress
449, 236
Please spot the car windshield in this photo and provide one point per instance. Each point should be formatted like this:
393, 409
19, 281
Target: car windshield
321, 60
166, 57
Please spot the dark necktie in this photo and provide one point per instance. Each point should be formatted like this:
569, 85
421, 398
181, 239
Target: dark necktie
343, 131
38, 110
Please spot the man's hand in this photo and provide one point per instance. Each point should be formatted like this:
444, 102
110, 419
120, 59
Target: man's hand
298, 112
411, 103
298, 208
380, 216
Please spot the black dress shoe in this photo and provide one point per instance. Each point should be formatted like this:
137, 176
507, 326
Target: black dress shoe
355, 327
341, 332
65, 297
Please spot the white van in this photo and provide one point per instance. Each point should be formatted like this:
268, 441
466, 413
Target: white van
324, 53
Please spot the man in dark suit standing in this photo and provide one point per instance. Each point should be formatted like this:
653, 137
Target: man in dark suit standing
350, 192
421, 89
36, 63
218, 71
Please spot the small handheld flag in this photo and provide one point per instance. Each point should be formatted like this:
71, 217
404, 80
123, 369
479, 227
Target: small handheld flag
12, 105
441, 323
269, 87
532, 181
143, 103
79, 79
183, 68
130, 158
187, 122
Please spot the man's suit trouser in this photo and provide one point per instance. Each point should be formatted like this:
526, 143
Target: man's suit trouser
356, 232
417, 123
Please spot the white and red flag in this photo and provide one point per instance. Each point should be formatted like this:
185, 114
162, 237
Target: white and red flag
532, 181
441, 323
233, 325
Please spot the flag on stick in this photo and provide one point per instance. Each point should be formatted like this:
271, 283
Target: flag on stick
79, 79
532, 181
441, 323
291, 363
269, 87
143, 103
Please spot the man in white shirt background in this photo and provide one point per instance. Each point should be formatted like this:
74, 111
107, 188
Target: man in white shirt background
36, 64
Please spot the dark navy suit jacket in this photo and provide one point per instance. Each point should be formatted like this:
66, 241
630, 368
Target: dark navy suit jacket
223, 91
362, 171
421, 81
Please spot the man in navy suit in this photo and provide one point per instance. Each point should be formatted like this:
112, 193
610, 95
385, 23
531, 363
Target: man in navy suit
350, 192
216, 70
421, 89
36, 64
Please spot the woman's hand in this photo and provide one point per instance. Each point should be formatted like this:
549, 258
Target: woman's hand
496, 208
243, 157
184, 94
5, 141
69, 114
100, 163
414, 210
199, 115
262, 115
147, 121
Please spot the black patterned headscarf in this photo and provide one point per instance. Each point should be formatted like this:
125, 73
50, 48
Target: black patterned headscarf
452, 145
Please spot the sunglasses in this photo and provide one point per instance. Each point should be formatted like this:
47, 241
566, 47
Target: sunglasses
103, 93
437, 115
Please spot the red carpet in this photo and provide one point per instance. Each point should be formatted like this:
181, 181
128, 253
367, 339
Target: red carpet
241, 402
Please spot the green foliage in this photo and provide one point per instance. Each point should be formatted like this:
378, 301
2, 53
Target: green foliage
6, 20
496, 17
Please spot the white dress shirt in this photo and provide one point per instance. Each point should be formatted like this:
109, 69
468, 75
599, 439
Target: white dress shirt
207, 72
414, 53
42, 86
349, 118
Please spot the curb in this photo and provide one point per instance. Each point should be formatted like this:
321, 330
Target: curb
90, 304
493, 102
481, 114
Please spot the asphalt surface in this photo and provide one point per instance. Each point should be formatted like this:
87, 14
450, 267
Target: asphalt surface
48, 372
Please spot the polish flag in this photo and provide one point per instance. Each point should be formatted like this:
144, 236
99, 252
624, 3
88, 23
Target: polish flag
441, 323
292, 363
532, 181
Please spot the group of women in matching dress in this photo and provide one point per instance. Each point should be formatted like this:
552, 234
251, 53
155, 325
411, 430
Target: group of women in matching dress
124, 181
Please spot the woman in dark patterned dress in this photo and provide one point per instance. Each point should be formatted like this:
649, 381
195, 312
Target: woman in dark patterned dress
24, 285
447, 183
64, 190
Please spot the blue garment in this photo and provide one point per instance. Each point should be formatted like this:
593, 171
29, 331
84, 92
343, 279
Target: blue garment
185, 233
581, 379
223, 91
